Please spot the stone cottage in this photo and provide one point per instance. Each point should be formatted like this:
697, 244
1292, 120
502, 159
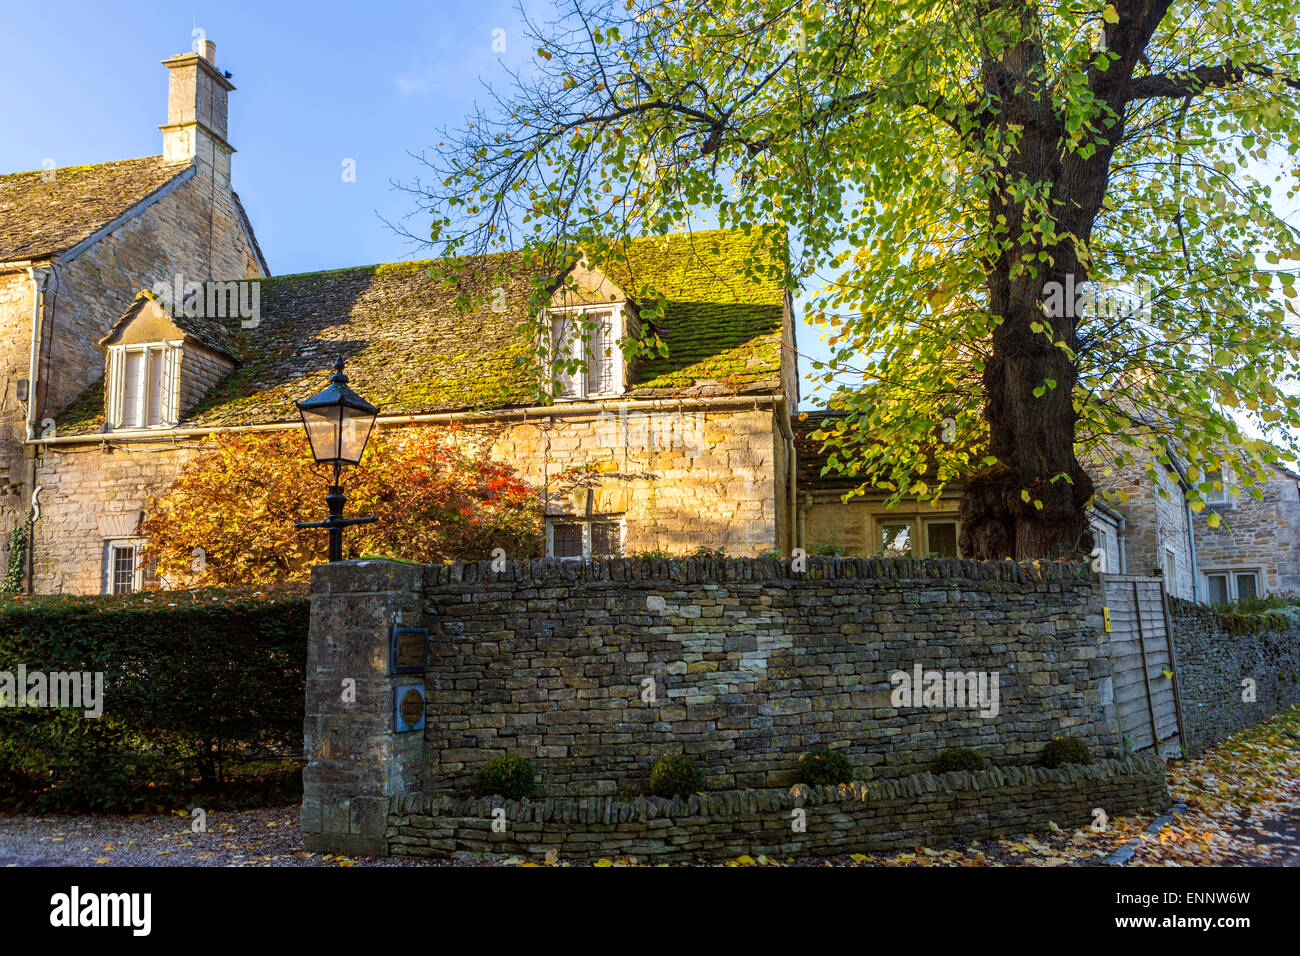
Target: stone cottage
1140, 525
686, 449
76, 246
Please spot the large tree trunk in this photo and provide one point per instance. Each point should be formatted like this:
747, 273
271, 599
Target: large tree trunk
1031, 503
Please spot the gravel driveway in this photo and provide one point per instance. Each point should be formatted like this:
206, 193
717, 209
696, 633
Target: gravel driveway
265, 837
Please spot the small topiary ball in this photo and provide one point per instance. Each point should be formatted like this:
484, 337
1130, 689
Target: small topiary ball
959, 758
505, 775
1063, 750
676, 775
825, 768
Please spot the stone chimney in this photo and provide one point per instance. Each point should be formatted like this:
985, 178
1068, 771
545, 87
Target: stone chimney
196, 110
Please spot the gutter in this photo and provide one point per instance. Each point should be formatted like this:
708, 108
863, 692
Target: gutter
522, 414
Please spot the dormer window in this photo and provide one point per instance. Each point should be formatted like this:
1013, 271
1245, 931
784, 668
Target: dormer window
590, 335
142, 385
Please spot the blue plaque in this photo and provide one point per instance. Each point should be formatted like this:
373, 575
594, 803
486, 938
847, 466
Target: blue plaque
408, 708
410, 650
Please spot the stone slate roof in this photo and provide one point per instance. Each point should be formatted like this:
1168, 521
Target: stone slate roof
409, 349
39, 219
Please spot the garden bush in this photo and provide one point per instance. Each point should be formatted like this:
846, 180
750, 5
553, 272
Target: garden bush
505, 775
195, 683
1063, 750
675, 775
822, 768
959, 758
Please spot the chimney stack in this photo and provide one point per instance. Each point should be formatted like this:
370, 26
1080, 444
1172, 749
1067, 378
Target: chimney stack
196, 110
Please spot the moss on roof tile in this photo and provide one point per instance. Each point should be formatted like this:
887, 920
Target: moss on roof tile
409, 349
47, 211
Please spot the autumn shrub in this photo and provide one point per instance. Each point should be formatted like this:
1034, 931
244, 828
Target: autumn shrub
824, 768
1063, 750
195, 683
959, 758
675, 775
229, 517
505, 775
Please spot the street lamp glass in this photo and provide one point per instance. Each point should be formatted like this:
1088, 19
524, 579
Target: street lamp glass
338, 421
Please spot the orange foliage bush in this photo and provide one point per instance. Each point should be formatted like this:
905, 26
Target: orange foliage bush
229, 518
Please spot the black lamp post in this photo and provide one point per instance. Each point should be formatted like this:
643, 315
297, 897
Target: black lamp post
338, 423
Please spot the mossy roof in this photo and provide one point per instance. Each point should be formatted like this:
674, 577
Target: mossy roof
46, 212
410, 349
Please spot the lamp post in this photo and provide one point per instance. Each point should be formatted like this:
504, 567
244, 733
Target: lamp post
338, 423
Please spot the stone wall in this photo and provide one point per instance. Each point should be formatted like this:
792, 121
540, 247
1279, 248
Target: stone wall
592, 670
1156, 519
751, 665
715, 487
1257, 534
1212, 665
859, 818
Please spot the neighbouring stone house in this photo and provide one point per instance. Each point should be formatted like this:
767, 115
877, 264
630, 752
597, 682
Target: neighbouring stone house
1141, 525
76, 246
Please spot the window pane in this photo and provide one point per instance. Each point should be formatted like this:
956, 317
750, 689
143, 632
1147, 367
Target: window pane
1217, 588
132, 372
562, 348
1247, 587
566, 540
1216, 494
604, 538
941, 538
895, 539
157, 374
600, 348
122, 569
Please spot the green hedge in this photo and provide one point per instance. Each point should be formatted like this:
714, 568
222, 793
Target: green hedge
195, 683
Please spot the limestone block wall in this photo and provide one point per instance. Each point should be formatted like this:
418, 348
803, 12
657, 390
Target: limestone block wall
718, 489
1257, 534
1213, 666
92, 492
193, 231
1156, 521
751, 664
15, 347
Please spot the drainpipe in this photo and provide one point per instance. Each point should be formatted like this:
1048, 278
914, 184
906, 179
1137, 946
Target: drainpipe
1191, 549
39, 277
787, 432
31, 532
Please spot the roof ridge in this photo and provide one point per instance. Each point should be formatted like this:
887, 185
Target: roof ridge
85, 166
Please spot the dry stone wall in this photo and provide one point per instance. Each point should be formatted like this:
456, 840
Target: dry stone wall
591, 670
1230, 681
857, 818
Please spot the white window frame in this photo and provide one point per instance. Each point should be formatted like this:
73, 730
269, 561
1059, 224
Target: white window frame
920, 537
170, 353
577, 347
111, 546
1230, 574
585, 523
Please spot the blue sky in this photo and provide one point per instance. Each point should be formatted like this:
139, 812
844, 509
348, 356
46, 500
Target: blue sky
317, 84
